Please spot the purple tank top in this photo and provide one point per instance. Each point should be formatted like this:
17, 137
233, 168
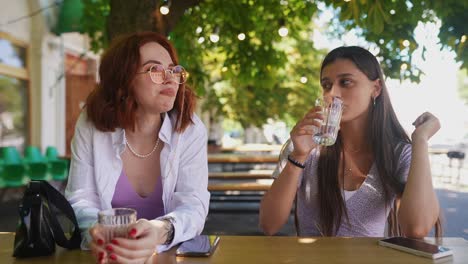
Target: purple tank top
149, 207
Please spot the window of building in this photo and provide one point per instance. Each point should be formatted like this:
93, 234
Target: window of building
11, 54
14, 93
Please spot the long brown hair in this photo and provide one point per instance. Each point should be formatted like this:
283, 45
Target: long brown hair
386, 138
112, 103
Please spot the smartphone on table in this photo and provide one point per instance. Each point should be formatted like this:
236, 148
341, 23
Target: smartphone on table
416, 247
199, 246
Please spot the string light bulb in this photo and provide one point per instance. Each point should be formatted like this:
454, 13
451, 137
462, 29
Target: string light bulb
283, 30
214, 37
164, 9
406, 43
241, 36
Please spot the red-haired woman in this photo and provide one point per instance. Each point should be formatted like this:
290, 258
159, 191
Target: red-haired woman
138, 144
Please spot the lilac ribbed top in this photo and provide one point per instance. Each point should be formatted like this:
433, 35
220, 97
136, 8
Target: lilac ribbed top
367, 208
148, 207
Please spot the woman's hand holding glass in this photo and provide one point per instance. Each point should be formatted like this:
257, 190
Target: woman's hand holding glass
303, 131
139, 247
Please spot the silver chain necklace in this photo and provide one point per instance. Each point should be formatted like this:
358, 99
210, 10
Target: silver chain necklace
139, 155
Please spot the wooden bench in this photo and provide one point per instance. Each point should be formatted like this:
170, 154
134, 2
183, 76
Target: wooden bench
239, 172
228, 185
253, 148
242, 175
237, 162
438, 151
236, 158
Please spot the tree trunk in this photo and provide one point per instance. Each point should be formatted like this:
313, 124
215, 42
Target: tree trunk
143, 15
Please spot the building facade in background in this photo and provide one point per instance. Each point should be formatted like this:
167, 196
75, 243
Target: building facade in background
44, 77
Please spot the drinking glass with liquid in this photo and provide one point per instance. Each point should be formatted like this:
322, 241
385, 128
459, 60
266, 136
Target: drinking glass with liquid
328, 131
115, 222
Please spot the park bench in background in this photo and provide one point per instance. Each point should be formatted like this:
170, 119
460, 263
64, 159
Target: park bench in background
240, 172
260, 185
238, 181
241, 175
241, 162
253, 149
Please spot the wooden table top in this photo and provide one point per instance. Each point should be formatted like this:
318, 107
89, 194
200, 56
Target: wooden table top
264, 249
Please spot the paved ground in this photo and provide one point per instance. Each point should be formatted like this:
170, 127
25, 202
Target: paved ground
455, 212
451, 189
450, 179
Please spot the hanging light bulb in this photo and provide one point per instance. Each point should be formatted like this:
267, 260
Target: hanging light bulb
406, 43
404, 66
164, 9
241, 36
283, 30
214, 37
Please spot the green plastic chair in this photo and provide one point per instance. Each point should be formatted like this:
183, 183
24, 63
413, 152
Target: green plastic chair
14, 175
10, 155
37, 166
58, 168
51, 153
33, 154
2, 183
13, 172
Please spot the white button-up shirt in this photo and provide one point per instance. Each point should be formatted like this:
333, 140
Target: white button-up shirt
96, 166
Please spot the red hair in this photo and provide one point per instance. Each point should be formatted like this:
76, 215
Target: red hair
112, 103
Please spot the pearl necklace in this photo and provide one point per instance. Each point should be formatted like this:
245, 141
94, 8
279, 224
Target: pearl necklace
139, 155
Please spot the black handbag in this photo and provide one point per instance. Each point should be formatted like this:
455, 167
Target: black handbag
39, 227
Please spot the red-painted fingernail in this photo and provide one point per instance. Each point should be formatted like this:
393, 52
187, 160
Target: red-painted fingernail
100, 242
115, 242
113, 257
133, 232
100, 256
109, 247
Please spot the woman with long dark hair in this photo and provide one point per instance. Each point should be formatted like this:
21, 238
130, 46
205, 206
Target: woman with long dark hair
374, 174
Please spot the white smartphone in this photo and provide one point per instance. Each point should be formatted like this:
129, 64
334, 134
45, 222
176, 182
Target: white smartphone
199, 246
416, 247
